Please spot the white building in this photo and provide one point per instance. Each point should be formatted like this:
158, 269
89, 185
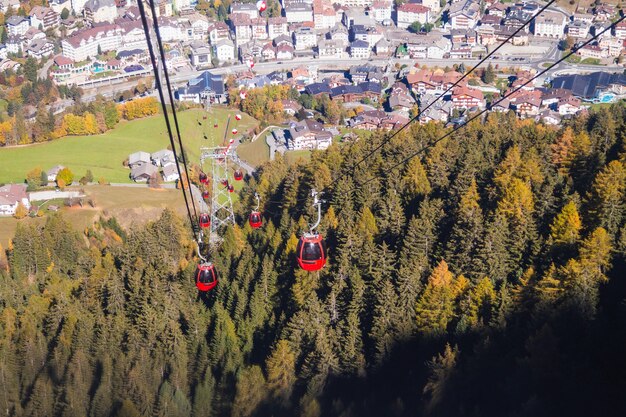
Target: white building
549, 24
329, 48
433, 5
10, 197
97, 11
464, 14
17, 25
381, 10
408, 13
360, 49
84, 44
304, 38
620, 30
44, 16
299, 12
277, 26
248, 9
578, 29
78, 6
224, 50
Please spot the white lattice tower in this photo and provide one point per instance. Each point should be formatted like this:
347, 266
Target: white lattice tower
221, 208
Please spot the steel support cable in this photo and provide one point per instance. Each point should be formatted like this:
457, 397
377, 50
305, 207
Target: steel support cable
477, 115
157, 32
157, 78
421, 111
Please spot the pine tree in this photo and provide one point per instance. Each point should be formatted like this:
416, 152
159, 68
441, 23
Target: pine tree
441, 369
607, 196
381, 334
250, 391
415, 181
467, 231
435, 307
281, 373
566, 227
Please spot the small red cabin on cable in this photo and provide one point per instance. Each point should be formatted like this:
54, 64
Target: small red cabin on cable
311, 252
238, 175
214, 124
206, 276
255, 220
204, 220
205, 194
231, 188
234, 131
204, 179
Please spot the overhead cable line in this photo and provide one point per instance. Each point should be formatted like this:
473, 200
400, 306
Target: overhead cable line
157, 31
159, 87
477, 115
421, 111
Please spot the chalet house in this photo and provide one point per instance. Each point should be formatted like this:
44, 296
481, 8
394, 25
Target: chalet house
466, 98
268, 52
284, 52
162, 157
439, 112
52, 172
377, 119
170, 173
138, 159
549, 117
359, 74
218, 31
355, 93
568, 105
142, 173
552, 96
527, 104
501, 106
291, 107
44, 16
10, 197
400, 98
497, 9
308, 134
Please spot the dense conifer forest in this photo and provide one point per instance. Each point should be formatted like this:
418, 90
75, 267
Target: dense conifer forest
484, 278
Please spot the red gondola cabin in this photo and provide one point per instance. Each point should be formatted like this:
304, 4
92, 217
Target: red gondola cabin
205, 220
311, 252
231, 188
204, 179
206, 276
205, 194
238, 175
255, 220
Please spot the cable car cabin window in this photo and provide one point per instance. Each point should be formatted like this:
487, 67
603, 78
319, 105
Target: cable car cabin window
207, 277
255, 218
312, 252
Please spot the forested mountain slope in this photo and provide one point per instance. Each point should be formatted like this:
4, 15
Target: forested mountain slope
484, 278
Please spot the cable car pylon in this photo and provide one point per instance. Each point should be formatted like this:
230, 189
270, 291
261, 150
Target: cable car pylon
221, 207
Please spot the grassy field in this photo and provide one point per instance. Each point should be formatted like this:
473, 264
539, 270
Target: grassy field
104, 154
294, 156
129, 205
254, 153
